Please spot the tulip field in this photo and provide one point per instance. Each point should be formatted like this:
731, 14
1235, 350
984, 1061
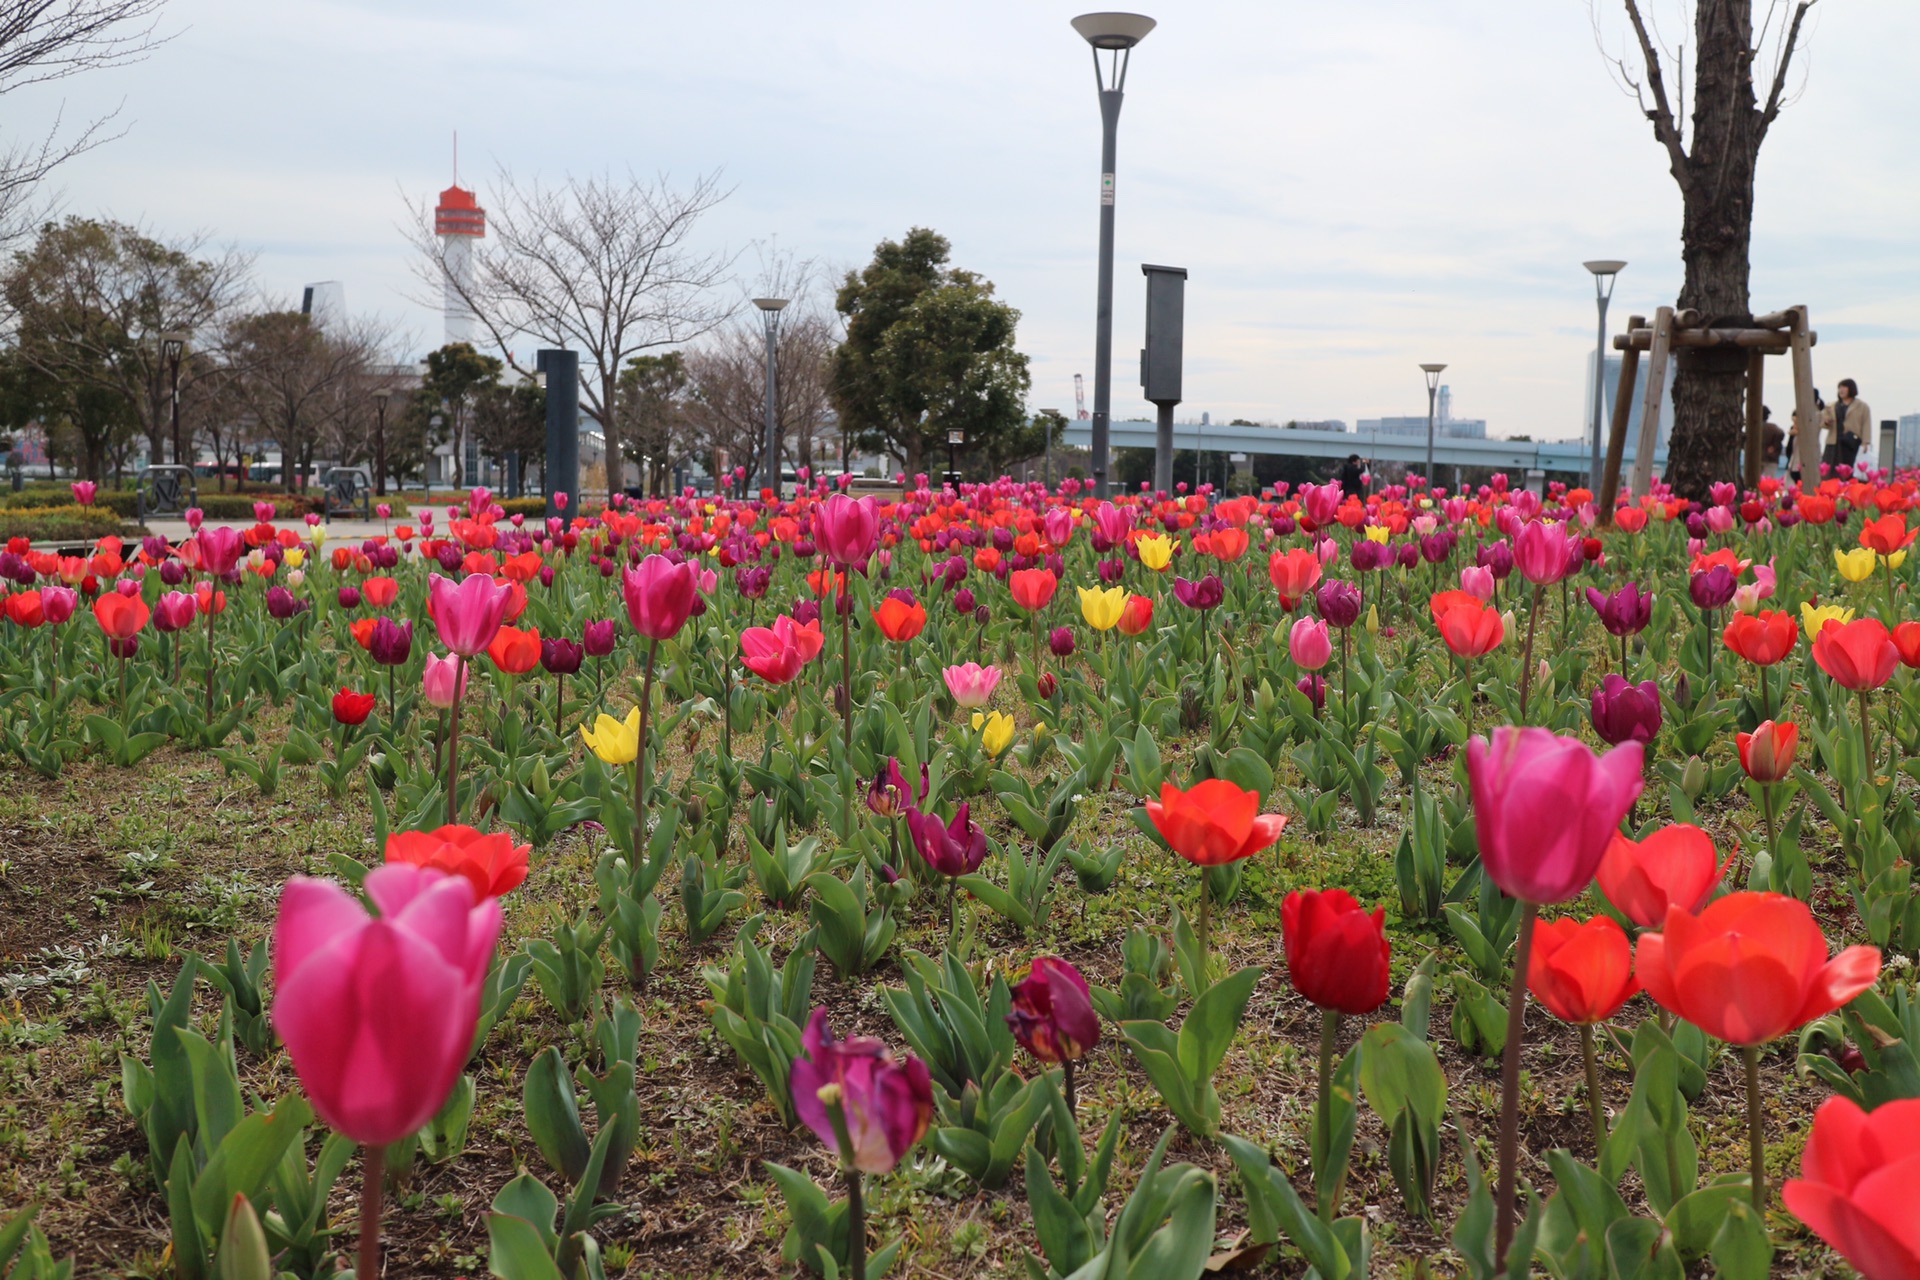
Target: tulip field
998, 881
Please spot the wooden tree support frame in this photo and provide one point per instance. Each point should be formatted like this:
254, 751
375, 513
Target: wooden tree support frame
1779, 333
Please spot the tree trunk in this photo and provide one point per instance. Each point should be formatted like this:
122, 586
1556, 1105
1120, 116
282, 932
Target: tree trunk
1716, 238
616, 463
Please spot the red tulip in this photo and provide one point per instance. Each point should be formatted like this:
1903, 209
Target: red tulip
491, 862
25, 610
1294, 573
1767, 753
121, 617
352, 708
1471, 628
1213, 822
1855, 1191
1137, 616
1336, 952
1750, 968
1582, 972
1052, 1013
1032, 588
1762, 638
1674, 867
1888, 534
1906, 639
380, 591
514, 651
1859, 655
898, 620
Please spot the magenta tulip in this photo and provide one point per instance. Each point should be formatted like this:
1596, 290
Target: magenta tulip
1545, 554
378, 1012
219, 550
1309, 644
468, 615
887, 1102
659, 596
847, 529
1546, 808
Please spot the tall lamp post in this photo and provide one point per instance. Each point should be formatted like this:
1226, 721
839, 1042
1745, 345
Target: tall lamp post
955, 437
1604, 270
1433, 387
1115, 33
173, 345
380, 397
770, 309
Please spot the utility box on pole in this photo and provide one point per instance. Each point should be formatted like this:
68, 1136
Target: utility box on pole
1161, 358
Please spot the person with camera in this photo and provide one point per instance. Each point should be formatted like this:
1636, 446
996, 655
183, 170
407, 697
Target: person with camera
1847, 426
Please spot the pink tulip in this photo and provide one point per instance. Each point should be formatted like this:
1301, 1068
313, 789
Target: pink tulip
972, 685
1113, 523
1058, 525
194, 516
445, 681
659, 596
560, 500
467, 615
175, 611
771, 652
1320, 502
378, 1012
1309, 644
84, 491
1544, 553
59, 603
1546, 808
218, 550
887, 1102
847, 528
1477, 581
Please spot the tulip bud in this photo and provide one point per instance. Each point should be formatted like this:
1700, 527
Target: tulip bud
1683, 691
1373, 620
1693, 778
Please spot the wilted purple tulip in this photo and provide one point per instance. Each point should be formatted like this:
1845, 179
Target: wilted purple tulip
1712, 589
1051, 1014
1624, 613
1207, 593
954, 849
885, 1103
1339, 603
1624, 712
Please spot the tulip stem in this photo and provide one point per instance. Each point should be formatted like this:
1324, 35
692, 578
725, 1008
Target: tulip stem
1866, 737
1323, 1114
1595, 1109
393, 715
1526, 669
213, 600
1206, 897
1066, 1065
1766, 807
373, 1164
845, 607
640, 756
1756, 1143
856, 1204
453, 744
1510, 1080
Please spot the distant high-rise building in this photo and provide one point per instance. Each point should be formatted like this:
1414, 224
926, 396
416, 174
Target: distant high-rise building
1638, 409
325, 304
1906, 445
458, 220
1445, 425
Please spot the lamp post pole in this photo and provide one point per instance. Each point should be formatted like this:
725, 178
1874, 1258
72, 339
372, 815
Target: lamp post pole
1433, 387
380, 396
1604, 270
770, 309
173, 346
1115, 33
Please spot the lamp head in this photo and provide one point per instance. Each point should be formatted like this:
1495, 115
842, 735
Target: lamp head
173, 344
956, 436
770, 305
1605, 266
1113, 30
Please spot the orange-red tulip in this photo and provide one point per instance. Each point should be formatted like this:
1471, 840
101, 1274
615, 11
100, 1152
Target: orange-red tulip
1213, 822
899, 621
1582, 972
514, 651
1767, 753
1859, 654
1471, 628
1762, 638
1676, 866
1855, 1191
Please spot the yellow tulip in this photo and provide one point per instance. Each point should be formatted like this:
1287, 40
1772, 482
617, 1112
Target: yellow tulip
318, 536
1156, 551
998, 735
296, 556
1812, 619
1102, 607
1856, 565
1895, 560
614, 741
1377, 532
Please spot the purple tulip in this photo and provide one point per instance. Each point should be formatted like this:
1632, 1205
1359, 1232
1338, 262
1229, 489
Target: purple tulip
1624, 613
598, 638
1315, 687
560, 655
282, 604
391, 643
955, 849
1712, 589
1207, 593
1496, 558
1052, 1013
1060, 640
886, 1103
1624, 712
1339, 603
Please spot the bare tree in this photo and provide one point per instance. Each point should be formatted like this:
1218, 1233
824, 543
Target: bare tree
604, 266
44, 40
1714, 170
307, 388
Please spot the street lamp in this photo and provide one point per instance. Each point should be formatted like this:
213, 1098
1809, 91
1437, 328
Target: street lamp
173, 345
1116, 34
770, 309
380, 397
1433, 386
955, 436
1604, 270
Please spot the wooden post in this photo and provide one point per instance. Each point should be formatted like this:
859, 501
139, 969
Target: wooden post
1617, 430
1756, 419
1809, 449
1650, 405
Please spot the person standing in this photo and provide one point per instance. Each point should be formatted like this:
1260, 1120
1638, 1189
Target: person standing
1847, 427
1350, 477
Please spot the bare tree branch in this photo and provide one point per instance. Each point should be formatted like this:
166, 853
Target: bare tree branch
1791, 40
1665, 125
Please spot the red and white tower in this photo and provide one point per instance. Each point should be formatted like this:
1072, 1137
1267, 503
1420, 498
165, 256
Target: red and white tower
458, 220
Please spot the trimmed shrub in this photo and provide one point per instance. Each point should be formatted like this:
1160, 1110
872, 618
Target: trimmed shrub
68, 523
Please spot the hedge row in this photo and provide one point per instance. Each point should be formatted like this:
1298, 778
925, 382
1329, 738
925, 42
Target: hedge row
68, 523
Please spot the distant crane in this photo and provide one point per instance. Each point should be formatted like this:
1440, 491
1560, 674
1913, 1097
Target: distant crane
1079, 397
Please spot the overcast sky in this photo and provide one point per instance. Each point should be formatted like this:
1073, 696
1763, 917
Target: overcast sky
1354, 187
